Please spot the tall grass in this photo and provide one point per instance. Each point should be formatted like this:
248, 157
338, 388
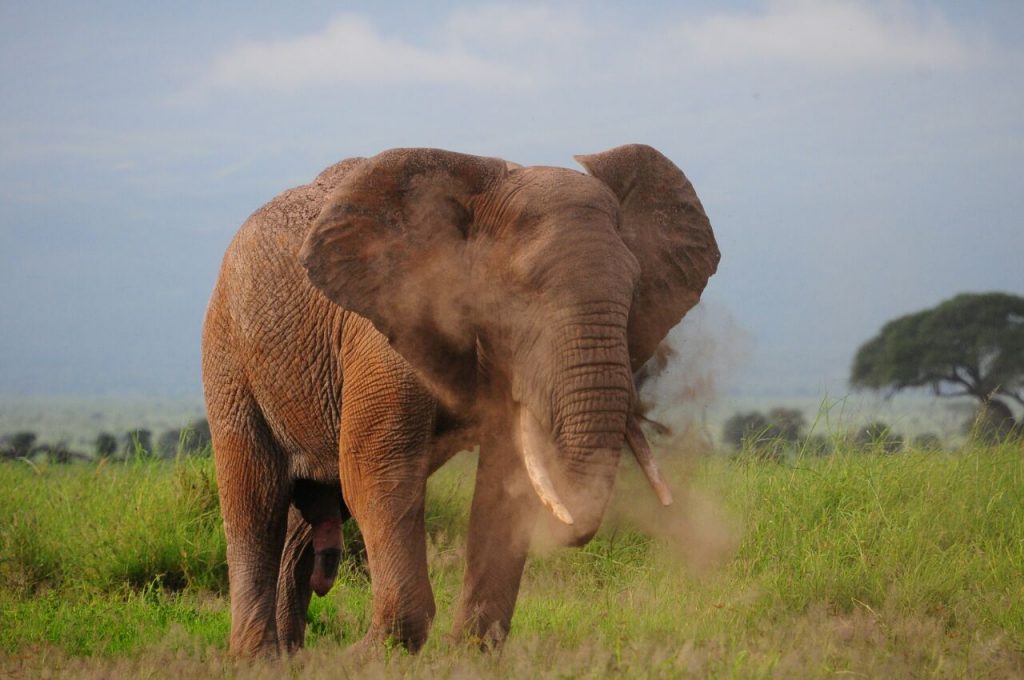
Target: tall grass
944, 533
111, 527
909, 564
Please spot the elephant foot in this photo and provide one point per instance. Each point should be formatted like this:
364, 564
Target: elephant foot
477, 633
370, 648
376, 646
254, 643
410, 634
327, 546
491, 641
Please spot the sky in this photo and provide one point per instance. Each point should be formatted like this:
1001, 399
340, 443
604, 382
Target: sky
858, 160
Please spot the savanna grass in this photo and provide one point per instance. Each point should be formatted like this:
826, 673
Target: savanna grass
886, 565
111, 527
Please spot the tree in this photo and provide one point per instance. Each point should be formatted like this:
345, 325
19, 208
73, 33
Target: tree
744, 426
106, 445
878, 436
971, 345
21, 444
138, 442
787, 423
781, 426
167, 444
197, 435
991, 423
192, 440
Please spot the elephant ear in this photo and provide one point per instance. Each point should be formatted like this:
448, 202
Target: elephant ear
663, 223
390, 245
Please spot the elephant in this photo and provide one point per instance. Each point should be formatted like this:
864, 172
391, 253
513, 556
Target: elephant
403, 307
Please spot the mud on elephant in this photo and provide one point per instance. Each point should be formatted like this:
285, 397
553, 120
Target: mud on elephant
368, 325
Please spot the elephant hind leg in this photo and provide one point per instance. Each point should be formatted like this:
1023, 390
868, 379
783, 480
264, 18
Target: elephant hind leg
293, 583
254, 492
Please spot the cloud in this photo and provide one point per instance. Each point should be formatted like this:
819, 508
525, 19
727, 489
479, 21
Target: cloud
516, 27
827, 34
519, 47
351, 50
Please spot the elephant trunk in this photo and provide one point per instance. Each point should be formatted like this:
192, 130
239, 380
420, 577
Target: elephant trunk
587, 487
573, 461
590, 441
575, 498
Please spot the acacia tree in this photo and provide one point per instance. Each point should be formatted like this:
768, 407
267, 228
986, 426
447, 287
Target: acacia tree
971, 345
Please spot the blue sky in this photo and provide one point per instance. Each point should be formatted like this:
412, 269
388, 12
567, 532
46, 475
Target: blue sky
858, 160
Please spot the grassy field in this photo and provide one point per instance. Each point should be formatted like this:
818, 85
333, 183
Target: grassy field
858, 564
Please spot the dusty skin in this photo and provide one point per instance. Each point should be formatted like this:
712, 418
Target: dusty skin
367, 326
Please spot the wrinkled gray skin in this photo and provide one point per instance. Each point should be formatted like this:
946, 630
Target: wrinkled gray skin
367, 326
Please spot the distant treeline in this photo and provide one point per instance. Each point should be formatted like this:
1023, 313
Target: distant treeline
775, 434
193, 439
784, 431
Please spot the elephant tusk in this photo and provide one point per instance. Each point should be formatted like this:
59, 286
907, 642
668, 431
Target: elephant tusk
642, 452
530, 437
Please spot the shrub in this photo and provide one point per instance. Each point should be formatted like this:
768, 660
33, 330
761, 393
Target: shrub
878, 436
766, 436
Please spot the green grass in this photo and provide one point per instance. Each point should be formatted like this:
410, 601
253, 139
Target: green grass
111, 527
856, 563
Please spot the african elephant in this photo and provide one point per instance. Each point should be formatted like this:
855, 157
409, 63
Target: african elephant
400, 308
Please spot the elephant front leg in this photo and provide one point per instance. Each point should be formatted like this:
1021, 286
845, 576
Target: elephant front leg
386, 421
388, 507
501, 522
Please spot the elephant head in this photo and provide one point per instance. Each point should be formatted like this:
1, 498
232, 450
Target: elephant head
528, 296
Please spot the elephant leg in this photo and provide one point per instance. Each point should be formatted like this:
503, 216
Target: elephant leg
501, 521
293, 582
387, 418
254, 489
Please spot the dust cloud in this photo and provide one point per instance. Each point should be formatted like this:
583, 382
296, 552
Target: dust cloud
691, 370
696, 532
